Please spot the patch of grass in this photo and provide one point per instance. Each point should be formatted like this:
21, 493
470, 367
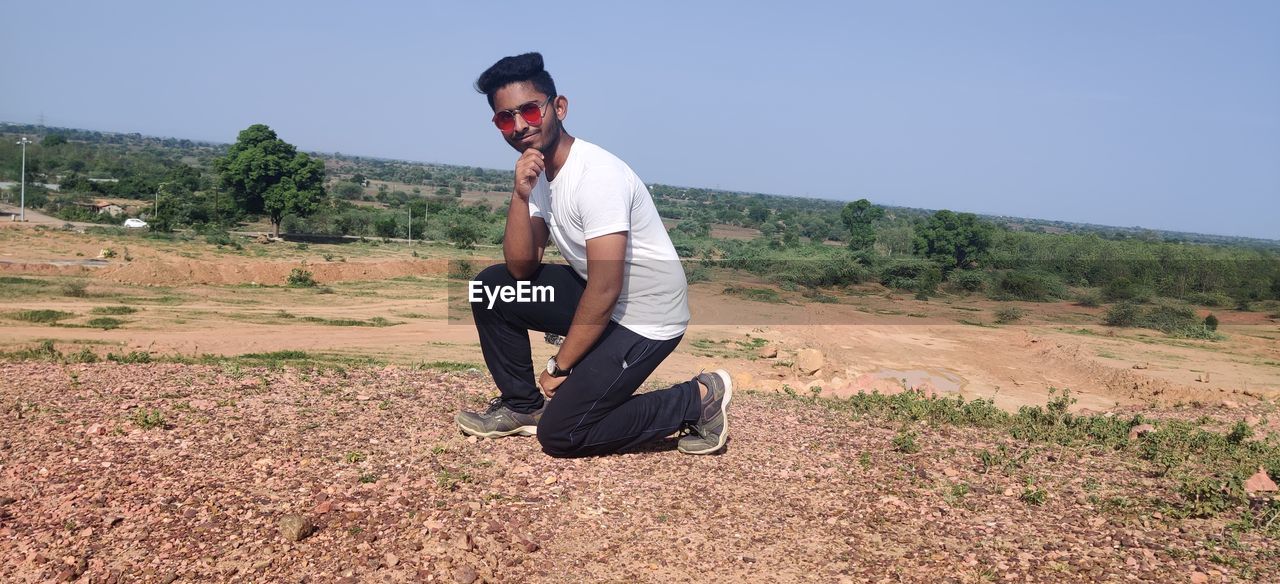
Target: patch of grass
113, 310
376, 321
755, 294
368, 478
449, 480
105, 323
40, 316
148, 419
449, 366
1032, 494
354, 457
1209, 466
130, 357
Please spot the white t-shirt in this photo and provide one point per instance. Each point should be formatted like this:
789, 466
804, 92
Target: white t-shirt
595, 193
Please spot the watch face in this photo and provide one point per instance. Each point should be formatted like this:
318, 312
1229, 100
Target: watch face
551, 366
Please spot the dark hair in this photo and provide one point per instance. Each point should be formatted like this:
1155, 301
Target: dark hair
508, 70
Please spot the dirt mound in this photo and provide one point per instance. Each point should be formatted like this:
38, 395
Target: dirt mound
180, 272
159, 472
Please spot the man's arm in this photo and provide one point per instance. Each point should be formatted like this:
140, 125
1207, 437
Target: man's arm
525, 237
605, 258
524, 240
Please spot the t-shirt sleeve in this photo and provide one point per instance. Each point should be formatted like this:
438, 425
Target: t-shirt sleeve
540, 199
604, 203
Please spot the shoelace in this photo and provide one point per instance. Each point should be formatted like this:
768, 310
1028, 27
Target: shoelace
494, 405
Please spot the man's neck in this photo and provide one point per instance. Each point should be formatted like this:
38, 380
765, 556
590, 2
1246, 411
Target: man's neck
559, 154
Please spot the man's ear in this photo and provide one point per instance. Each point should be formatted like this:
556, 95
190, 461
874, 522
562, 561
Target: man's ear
561, 103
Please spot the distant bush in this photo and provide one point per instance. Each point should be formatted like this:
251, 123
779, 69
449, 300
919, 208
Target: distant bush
1124, 314
967, 281
1028, 285
75, 289
1089, 299
1213, 299
1009, 314
1126, 289
911, 274
41, 316
300, 278
1211, 322
1178, 321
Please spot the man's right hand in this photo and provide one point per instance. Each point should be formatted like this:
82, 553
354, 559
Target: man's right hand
528, 168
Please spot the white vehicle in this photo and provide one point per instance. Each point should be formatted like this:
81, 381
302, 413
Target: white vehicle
135, 223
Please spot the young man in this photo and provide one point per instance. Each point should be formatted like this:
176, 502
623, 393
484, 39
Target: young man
621, 302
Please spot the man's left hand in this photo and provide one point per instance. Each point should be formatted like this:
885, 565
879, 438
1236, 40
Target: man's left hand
549, 383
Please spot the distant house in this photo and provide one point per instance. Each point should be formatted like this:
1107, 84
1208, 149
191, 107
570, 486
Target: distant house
103, 207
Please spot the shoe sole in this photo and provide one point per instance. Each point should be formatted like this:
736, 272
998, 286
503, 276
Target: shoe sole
521, 431
724, 414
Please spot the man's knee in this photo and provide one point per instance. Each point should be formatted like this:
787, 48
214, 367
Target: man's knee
557, 442
496, 274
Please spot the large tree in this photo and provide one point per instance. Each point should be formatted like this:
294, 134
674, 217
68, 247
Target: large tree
955, 239
859, 217
268, 175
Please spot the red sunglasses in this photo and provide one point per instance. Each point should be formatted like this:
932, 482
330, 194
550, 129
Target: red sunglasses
505, 120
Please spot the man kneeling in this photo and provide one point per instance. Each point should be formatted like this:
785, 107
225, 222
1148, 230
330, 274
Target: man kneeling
621, 303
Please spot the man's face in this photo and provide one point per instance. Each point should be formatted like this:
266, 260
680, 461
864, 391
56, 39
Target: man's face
525, 136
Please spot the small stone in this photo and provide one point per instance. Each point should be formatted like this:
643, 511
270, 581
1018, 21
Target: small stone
465, 542
1141, 365
111, 521
392, 560
767, 352
551, 480
1199, 578
1260, 482
169, 578
951, 472
464, 575
295, 527
6, 500
1137, 431
323, 507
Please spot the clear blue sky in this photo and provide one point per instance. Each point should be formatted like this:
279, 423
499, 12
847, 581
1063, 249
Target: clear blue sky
1163, 114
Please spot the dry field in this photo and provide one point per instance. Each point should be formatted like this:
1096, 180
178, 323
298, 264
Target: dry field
182, 467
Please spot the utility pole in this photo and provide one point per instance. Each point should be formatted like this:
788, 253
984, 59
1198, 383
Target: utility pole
22, 205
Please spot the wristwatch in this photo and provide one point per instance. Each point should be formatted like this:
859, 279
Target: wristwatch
554, 370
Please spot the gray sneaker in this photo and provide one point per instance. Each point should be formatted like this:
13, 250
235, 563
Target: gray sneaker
498, 421
712, 429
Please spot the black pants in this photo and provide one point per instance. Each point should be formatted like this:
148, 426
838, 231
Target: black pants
595, 410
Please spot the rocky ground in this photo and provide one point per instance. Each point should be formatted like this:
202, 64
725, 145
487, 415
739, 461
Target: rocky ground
167, 472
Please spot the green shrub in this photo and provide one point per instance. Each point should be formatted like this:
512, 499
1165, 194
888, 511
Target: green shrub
967, 281
301, 278
1009, 314
1167, 318
1028, 285
1125, 314
911, 274
1211, 322
131, 357
1211, 299
148, 418
1125, 289
1089, 299
75, 289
